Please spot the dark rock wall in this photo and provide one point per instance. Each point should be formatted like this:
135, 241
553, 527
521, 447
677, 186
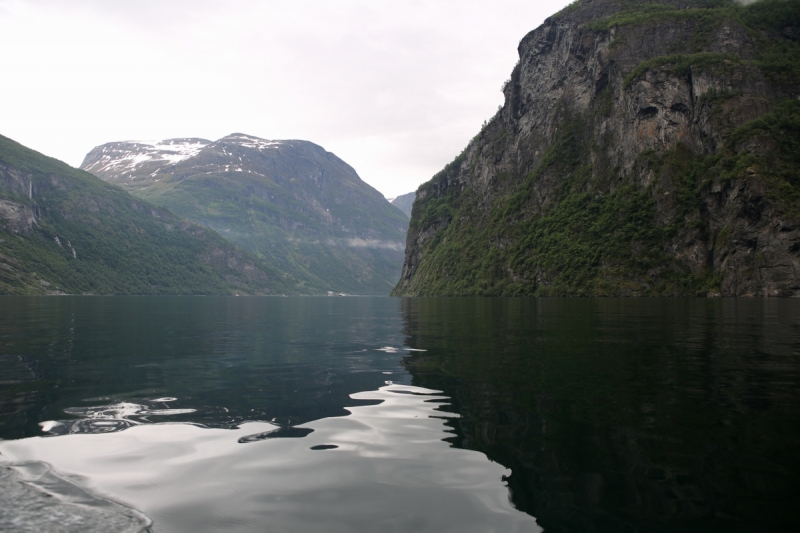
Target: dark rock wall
665, 109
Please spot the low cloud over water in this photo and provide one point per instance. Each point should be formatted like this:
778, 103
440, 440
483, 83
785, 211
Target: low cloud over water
375, 243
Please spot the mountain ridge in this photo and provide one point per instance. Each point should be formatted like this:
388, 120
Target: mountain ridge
64, 231
290, 202
405, 202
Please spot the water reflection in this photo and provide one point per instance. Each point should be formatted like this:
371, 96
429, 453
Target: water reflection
290, 360
108, 418
625, 415
385, 467
250, 414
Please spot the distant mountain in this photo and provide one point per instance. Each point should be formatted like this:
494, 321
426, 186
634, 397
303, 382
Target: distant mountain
290, 202
405, 202
63, 230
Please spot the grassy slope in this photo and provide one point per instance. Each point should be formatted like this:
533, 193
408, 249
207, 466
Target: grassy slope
123, 245
308, 249
583, 243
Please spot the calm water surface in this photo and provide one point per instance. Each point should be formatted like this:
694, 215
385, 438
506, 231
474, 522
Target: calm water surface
385, 414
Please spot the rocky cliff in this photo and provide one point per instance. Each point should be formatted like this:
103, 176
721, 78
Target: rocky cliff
405, 202
644, 148
290, 202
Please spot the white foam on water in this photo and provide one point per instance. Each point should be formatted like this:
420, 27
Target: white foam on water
48, 425
106, 418
35, 498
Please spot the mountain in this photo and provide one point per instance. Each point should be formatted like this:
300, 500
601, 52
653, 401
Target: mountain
644, 148
405, 202
289, 202
63, 230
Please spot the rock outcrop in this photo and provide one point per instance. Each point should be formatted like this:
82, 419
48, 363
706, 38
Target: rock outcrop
644, 148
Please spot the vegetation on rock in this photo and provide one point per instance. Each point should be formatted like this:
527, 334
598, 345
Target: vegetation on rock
645, 148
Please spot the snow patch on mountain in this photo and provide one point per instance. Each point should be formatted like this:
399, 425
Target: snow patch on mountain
128, 156
248, 141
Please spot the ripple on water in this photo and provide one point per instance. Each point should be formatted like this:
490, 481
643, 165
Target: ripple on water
107, 418
387, 468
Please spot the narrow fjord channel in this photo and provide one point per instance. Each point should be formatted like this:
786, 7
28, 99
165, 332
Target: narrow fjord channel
386, 414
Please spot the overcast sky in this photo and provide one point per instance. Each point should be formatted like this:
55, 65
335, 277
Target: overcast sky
396, 89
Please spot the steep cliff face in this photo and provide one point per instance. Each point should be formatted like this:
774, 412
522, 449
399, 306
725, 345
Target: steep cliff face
405, 202
290, 202
644, 148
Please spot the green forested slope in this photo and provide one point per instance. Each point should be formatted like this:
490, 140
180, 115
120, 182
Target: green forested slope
290, 203
64, 231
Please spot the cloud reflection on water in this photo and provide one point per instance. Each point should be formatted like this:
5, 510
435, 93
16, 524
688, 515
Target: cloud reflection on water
385, 467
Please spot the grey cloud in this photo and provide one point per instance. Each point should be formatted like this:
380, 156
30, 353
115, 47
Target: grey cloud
353, 243
396, 89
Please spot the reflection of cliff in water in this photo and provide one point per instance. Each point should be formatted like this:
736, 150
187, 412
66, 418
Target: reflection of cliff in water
625, 415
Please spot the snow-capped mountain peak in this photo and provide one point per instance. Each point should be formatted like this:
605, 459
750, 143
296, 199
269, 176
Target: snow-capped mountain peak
248, 141
133, 159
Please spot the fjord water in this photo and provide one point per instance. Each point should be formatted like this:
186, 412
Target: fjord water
321, 414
